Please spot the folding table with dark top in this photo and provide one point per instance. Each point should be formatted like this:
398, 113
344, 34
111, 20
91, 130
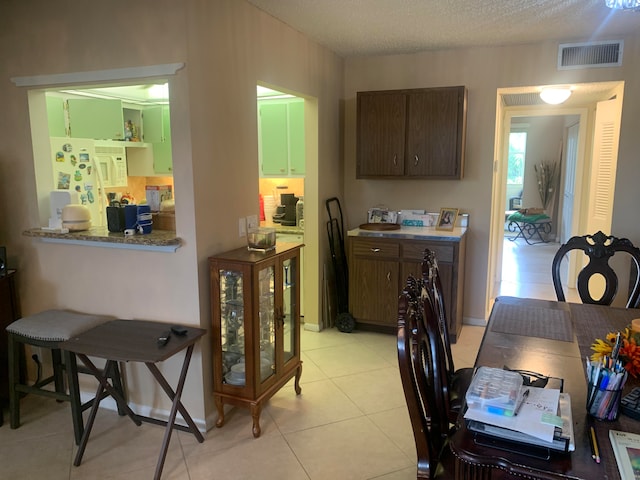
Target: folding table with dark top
136, 341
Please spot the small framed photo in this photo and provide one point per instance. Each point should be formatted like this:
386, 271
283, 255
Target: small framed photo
447, 218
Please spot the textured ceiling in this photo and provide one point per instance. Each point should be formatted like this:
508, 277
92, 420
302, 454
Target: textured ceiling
372, 27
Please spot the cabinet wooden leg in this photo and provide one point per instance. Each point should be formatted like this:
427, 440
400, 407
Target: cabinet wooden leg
220, 408
297, 382
256, 409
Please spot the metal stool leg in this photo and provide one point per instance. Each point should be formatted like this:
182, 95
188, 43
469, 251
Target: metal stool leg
58, 371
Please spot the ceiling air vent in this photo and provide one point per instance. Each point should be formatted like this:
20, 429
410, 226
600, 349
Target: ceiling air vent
590, 55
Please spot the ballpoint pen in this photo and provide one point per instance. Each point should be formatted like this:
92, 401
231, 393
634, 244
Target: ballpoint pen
522, 399
595, 452
616, 348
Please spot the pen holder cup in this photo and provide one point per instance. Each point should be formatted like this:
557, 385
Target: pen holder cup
603, 404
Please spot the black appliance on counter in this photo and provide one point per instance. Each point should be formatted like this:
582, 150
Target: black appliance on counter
286, 212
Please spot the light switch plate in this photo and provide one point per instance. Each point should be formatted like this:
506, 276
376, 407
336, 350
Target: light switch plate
242, 227
252, 222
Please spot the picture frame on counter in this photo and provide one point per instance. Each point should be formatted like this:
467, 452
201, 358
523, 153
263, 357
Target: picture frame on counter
447, 218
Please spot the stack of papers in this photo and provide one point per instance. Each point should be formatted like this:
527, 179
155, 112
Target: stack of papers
544, 419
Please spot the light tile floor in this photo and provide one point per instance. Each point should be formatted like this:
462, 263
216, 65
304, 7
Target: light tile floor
350, 422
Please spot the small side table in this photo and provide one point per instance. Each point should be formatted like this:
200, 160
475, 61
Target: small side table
136, 341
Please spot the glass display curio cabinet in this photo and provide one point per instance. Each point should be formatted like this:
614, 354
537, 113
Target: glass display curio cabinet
256, 326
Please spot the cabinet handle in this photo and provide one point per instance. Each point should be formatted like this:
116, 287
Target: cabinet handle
395, 160
388, 276
375, 250
417, 160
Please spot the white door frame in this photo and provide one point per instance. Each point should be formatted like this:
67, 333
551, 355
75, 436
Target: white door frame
504, 116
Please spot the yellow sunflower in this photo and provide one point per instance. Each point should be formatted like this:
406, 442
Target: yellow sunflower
629, 352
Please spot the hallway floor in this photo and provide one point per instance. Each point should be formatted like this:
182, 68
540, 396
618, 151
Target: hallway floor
526, 271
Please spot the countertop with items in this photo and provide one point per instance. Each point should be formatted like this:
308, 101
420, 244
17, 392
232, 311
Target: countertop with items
412, 233
159, 240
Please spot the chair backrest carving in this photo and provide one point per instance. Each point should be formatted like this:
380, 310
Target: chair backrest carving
424, 378
599, 248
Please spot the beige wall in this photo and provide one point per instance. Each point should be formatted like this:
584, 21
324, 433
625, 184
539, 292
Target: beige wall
227, 46
483, 71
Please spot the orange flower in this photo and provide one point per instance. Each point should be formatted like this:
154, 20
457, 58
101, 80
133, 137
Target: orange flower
629, 352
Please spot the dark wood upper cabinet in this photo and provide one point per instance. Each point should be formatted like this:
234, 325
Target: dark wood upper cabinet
418, 133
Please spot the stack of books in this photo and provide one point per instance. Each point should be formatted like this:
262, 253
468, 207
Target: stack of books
503, 411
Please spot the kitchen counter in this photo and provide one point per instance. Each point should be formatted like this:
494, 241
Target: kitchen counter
157, 240
413, 233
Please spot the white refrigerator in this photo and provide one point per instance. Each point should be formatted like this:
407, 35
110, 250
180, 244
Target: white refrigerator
74, 169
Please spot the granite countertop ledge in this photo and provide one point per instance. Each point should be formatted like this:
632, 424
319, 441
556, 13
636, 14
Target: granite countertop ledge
413, 233
163, 240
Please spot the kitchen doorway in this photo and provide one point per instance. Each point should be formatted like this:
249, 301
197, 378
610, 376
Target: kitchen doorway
288, 164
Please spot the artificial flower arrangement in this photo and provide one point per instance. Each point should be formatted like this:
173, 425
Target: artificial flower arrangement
629, 352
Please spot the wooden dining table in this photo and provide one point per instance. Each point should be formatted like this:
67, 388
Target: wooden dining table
553, 339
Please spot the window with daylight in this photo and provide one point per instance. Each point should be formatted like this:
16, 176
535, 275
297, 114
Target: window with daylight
517, 153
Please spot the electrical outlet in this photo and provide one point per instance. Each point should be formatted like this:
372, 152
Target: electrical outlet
242, 227
252, 222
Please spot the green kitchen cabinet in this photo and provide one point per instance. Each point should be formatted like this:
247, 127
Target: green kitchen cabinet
162, 157
56, 116
296, 137
281, 137
154, 158
274, 139
96, 118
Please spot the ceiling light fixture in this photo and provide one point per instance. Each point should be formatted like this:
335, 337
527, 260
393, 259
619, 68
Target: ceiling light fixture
159, 91
633, 5
555, 95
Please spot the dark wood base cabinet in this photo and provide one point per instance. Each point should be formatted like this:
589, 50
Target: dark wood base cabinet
9, 312
378, 270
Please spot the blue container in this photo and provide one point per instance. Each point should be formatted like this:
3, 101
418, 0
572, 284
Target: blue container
144, 219
130, 217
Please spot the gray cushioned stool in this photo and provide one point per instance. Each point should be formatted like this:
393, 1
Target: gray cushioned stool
48, 329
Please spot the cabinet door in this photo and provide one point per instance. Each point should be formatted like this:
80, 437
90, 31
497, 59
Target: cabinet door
373, 290
296, 137
274, 147
435, 145
162, 155
380, 134
55, 116
290, 308
152, 126
96, 118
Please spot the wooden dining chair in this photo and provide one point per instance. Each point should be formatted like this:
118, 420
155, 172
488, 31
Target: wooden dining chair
599, 248
424, 379
459, 380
